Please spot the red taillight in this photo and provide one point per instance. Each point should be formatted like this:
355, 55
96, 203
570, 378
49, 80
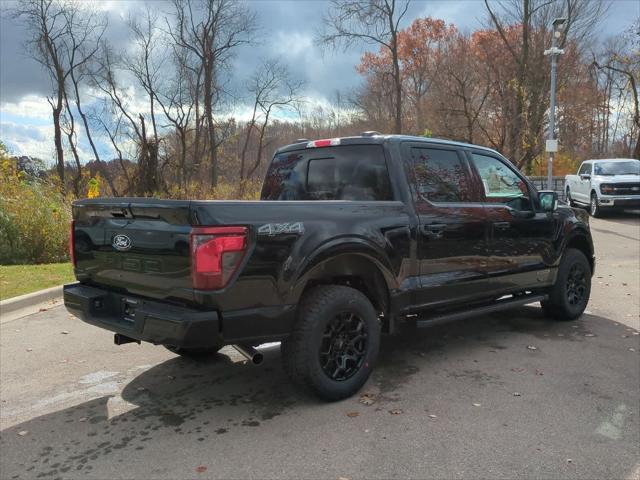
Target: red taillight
327, 142
216, 253
72, 243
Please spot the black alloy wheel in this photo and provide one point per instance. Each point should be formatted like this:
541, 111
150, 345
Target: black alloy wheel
344, 346
576, 284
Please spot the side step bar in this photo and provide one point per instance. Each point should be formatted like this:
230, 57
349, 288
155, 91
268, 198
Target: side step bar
495, 307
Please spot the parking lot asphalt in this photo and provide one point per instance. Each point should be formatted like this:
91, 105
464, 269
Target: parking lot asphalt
509, 395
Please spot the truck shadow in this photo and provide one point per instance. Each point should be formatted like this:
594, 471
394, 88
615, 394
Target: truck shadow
192, 402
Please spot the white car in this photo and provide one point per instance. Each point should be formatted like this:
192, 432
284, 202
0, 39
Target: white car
605, 184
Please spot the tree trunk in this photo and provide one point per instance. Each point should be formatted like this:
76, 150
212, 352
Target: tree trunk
57, 135
208, 112
397, 80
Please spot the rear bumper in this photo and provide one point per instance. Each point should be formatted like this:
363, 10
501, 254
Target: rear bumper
166, 324
143, 319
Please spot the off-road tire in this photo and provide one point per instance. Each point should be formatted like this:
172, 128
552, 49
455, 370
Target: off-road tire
563, 304
194, 353
301, 351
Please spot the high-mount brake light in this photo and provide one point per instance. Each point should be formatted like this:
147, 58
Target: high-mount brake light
72, 242
327, 142
216, 253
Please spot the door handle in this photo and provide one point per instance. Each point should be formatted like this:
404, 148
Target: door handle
434, 230
502, 225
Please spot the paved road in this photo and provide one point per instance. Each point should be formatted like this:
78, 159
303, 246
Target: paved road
471, 399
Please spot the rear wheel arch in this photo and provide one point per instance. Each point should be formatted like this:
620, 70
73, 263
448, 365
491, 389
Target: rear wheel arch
356, 270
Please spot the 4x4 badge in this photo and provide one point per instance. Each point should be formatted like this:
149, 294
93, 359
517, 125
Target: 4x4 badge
281, 228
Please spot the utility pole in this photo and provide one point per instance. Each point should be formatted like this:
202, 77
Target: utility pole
552, 143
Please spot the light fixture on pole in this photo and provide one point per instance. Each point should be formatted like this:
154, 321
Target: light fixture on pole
554, 51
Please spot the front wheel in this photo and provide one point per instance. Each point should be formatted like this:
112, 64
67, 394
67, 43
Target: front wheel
594, 208
334, 343
570, 201
569, 296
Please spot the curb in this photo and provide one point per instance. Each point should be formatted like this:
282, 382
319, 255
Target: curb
29, 299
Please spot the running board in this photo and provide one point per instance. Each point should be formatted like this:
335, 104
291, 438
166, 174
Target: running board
495, 307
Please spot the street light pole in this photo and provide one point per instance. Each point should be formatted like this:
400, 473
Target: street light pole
552, 144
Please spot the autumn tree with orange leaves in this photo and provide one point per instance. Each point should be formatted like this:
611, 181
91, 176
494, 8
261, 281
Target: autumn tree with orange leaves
491, 86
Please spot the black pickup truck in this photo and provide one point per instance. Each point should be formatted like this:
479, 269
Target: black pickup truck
351, 236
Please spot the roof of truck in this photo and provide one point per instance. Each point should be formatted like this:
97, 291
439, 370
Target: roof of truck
611, 160
376, 138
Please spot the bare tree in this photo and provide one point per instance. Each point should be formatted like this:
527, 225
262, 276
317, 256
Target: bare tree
211, 30
104, 78
45, 20
370, 21
176, 103
273, 89
622, 65
63, 39
143, 62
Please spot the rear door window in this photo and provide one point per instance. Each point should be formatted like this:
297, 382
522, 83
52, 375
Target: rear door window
348, 172
441, 175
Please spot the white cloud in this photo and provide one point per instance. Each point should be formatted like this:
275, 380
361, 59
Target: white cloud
292, 44
31, 106
33, 140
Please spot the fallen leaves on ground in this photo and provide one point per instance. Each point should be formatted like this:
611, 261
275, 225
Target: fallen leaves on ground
367, 399
353, 414
396, 411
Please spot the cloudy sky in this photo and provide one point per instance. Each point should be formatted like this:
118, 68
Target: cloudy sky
287, 31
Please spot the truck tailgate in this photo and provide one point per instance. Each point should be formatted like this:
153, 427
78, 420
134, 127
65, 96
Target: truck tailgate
138, 246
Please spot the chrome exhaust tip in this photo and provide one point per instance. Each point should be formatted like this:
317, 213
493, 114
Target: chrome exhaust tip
250, 353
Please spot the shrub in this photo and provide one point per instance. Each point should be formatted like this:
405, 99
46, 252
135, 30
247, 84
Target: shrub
34, 218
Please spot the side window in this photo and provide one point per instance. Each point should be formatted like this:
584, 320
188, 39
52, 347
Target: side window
440, 175
501, 184
585, 169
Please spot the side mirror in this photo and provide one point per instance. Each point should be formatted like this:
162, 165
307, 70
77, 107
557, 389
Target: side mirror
548, 200
585, 176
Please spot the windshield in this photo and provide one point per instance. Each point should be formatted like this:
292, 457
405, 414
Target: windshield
632, 167
349, 172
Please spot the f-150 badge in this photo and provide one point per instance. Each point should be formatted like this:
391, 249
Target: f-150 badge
272, 229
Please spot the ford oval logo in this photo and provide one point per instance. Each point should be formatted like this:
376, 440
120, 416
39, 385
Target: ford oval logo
121, 242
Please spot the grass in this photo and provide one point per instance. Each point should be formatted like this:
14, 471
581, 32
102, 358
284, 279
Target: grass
20, 279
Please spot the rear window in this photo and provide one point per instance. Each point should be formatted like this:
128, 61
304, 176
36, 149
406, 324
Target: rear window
350, 172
